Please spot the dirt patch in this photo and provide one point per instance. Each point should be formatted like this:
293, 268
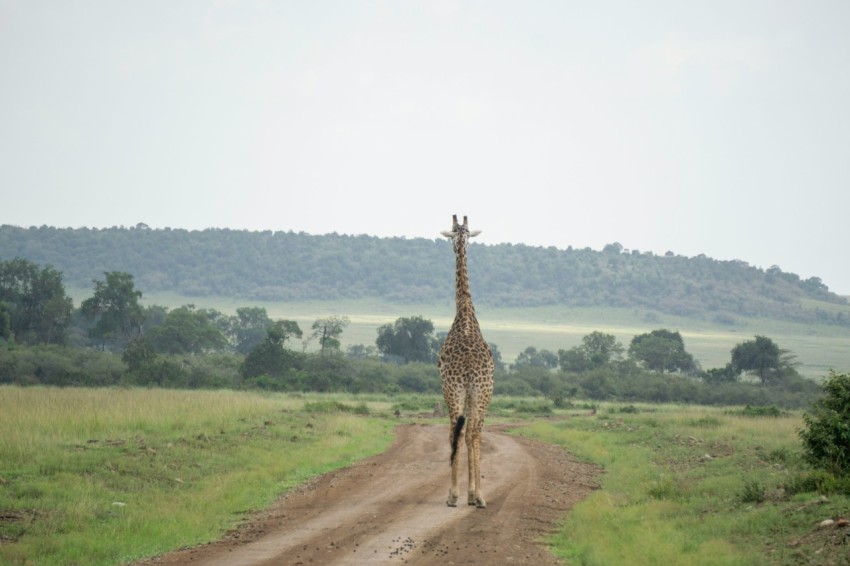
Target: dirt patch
390, 509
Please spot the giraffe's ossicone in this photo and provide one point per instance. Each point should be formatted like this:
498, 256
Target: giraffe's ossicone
466, 374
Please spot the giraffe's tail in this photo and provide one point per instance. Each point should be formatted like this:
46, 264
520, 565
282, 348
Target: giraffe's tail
456, 437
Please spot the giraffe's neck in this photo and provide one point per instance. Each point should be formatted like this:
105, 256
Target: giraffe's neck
465, 315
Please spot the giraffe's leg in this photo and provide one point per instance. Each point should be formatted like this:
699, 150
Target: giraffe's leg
470, 459
475, 497
455, 436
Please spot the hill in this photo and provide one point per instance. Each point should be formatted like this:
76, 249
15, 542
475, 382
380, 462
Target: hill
289, 266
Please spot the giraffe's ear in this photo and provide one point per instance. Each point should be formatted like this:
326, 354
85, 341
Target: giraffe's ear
448, 234
474, 233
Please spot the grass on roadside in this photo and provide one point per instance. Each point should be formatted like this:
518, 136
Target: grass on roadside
693, 486
108, 476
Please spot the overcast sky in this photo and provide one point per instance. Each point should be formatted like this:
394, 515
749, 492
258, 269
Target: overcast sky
717, 128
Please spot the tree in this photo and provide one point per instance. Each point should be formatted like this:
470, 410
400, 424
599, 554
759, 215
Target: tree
540, 378
726, 374
187, 331
155, 315
139, 355
826, 434
271, 359
327, 373
410, 338
788, 363
602, 348
248, 328
37, 307
5, 322
598, 383
497, 356
575, 359
283, 330
327, 331
662, 350
115, 308
597, 350
760, 356
531, 357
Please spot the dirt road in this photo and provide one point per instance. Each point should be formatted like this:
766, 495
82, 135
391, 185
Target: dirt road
391, 509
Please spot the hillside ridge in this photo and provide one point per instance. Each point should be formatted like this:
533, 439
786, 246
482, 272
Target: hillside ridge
290, 266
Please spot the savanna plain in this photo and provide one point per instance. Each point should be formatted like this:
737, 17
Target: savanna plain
113, 476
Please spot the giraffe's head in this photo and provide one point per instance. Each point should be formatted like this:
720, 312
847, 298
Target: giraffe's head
460, 233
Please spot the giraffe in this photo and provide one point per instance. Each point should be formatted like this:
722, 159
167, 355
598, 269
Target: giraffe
466, 373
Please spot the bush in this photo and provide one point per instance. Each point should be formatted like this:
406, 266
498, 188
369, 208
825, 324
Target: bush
509, 385
335, 407
58, 365
418, 377
826, 435
817, 481
769, 411
752, 492
541, 407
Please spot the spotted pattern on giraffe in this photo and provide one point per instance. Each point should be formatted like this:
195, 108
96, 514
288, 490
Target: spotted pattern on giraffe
466, 374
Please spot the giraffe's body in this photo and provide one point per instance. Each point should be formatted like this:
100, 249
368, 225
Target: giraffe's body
466, 373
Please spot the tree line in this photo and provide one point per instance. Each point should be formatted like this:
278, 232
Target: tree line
111, 339
288, 266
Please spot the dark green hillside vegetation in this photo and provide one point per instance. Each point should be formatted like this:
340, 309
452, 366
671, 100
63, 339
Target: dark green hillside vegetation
288, 266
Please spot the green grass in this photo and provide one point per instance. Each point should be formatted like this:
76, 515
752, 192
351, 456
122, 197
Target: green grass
690, 486
97, 476
109, 476
818, 347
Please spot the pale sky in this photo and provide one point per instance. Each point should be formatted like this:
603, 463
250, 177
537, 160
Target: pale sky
718, 128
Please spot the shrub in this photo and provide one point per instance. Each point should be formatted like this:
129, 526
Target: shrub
58, 365
541, 407
778, 455
335, 407
417, 404
755, 411
826, 434
510, 385
668, 488
752, 492
817, 481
